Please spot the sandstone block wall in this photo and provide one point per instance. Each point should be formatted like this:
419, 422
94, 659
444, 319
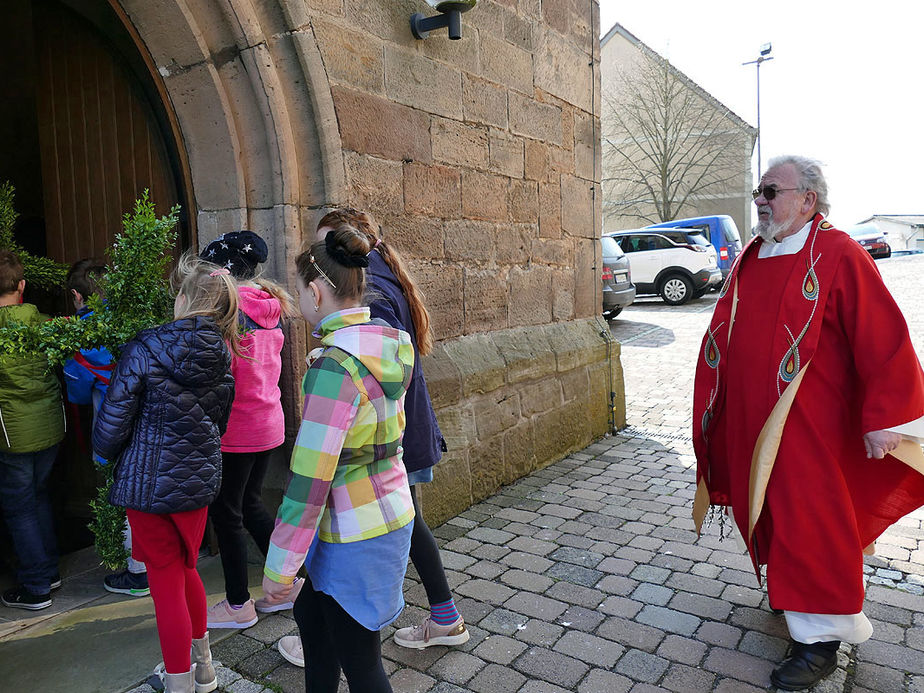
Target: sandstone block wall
480, 158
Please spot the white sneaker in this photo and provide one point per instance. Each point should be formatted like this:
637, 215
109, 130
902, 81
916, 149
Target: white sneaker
290, 647
429, 633
266, 604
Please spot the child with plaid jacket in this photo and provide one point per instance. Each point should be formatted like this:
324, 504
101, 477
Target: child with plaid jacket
347, 513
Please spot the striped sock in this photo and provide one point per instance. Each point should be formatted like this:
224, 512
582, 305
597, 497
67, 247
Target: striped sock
444, 613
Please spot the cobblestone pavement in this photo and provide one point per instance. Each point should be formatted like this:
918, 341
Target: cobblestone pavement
586, 576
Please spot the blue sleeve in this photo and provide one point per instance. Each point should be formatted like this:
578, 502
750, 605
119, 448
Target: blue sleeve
384, 309
79, 383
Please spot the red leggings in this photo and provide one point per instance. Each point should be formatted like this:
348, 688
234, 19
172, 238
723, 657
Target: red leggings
168, 545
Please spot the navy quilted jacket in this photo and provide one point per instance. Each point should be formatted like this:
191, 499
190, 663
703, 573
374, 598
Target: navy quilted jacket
163, 417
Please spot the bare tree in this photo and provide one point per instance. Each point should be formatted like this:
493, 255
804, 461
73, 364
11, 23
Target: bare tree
667, 143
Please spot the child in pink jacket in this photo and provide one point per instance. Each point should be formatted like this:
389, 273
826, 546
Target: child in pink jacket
256, 427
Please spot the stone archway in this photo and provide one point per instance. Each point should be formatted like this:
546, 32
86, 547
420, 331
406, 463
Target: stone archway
254, 110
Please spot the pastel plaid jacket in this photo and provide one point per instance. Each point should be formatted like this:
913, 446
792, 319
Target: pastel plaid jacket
347, 482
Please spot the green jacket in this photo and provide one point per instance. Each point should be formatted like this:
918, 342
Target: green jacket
31, 410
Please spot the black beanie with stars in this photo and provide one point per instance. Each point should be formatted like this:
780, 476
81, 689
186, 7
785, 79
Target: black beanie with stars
238, 251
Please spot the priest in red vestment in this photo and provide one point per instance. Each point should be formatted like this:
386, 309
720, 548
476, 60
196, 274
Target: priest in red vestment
808, 415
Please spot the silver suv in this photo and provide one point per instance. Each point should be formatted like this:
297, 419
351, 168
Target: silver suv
675, 263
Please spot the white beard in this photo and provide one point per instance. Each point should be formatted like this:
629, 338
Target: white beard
769, 229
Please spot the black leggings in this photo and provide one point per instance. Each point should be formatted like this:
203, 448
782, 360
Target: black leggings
332, 639
239, 506
425, 555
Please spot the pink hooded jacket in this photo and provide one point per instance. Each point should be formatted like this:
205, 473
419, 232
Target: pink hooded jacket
256, 422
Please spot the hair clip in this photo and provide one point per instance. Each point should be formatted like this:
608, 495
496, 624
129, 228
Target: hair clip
378, 242
220, 272
322, 273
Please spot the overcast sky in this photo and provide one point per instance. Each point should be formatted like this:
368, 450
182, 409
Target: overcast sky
844, 85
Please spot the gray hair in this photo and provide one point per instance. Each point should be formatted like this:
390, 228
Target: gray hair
810, 177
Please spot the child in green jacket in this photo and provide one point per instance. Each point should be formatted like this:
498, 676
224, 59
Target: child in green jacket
31, 427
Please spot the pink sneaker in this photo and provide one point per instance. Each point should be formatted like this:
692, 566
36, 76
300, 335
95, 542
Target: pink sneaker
223, 616
266, 604
429, 633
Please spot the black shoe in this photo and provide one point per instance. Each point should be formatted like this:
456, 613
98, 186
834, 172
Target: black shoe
134, 584
21, 598
806, 665
55, 582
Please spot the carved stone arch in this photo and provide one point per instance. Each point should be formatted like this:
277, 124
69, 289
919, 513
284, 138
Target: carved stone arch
254, 111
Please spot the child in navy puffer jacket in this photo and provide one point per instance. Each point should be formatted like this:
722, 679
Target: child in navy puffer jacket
161, 424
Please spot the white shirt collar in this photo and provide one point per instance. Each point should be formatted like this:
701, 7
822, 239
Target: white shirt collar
788, 246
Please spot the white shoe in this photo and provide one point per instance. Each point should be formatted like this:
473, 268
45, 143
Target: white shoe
429, 633
290, 647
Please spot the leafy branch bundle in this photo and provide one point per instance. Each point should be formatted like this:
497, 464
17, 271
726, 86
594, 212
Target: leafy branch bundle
137, 297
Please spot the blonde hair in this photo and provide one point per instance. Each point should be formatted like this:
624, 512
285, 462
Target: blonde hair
366, 224
210, 291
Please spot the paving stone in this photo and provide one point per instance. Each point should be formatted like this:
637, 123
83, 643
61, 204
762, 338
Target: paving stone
536, 632
416, 659
631, 634
535, 546
600, 681
672, 563
472, 610
260, 663
720, 634
733, 686
586, 559
682, 678
683, 650
668, 619
575, 594
617, 584
542, 687
696, 584
642, 666
496, 679
235, 649
579, 618
522, 580
499, 649
272, 627
617, 566
536, 606
486, 591
245, 686
411, 681
621, 606
756, 619
738, 665
589, 648
648, 593
527, 561
574, 573
490, 552
893, 656
503, 622
649, 573
487, 570
736, 594
764, 646
879, 678
456, 667
551, 666
490, 536
702, 606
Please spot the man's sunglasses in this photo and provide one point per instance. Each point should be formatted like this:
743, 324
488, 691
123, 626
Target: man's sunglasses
769, 192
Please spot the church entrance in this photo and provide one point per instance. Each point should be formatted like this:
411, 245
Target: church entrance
83, 131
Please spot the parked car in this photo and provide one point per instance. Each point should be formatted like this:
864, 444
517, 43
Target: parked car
618, 290
721, 231
872, 239
675, 263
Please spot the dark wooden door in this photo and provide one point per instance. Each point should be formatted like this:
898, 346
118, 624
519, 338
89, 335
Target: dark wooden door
100, 143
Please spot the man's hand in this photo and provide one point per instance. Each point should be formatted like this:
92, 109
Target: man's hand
880, 443
276, 591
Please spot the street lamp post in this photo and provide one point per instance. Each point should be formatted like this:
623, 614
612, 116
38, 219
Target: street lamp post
763, 57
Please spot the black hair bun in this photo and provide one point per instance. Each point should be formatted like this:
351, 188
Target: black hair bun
340, 255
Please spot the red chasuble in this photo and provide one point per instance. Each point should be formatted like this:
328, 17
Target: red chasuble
805, 354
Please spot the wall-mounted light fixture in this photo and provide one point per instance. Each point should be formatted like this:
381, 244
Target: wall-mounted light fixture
450, 16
